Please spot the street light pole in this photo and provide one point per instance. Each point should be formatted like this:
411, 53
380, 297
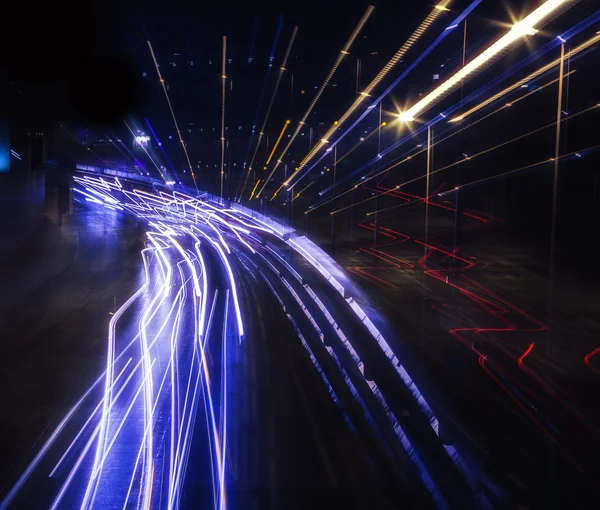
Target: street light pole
377, 196
427, 180
556, 167
352, 218
550, 344
457, 210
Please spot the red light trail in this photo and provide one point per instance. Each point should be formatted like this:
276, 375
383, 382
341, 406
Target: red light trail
530, 394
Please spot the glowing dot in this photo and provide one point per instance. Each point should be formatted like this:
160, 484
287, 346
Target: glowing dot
405, 117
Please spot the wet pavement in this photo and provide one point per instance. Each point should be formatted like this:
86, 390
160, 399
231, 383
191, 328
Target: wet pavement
497, 346
58, 290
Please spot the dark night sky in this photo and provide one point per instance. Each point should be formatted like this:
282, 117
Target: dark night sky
86, 60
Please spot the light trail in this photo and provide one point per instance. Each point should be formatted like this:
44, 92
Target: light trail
423, 148
285, 126
525, 27
223, 493
236, 304
108, 384
89, 420
302, 190
49, 442
156, 376
527, 79
148, 314
162, 83
345, 51
261, 133
363, 140
164, 377
162, 149
254, 189
574, 155
552, 44
459, 19
147, 153
262, 93
499, 309
490, 149
419, 32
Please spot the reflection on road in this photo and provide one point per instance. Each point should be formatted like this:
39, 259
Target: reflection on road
172, 345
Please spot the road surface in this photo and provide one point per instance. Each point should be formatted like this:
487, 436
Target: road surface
235, 372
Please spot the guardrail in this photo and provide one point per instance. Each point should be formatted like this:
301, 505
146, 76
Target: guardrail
132, 176
328, 276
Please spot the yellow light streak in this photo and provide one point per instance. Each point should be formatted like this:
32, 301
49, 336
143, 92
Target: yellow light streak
343, 53
285, 126
402, 51
527, 79
527, 167
503, 144
302, 190
277, 82
519, 30
254, 189
376, 130
408, 158
500, 145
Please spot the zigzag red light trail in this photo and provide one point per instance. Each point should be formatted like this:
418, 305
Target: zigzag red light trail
496, 307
